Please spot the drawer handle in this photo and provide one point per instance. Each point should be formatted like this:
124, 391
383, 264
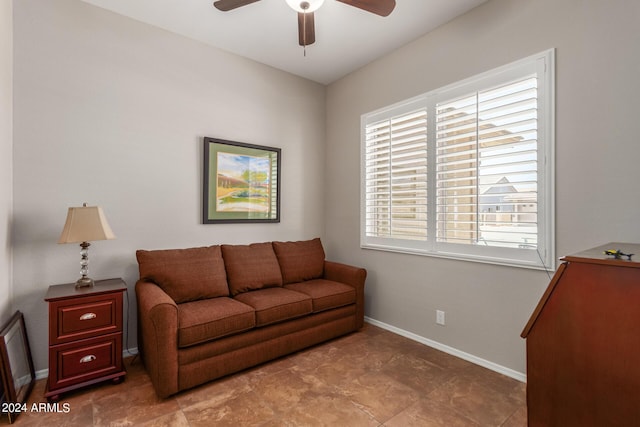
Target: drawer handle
88, 316
87, 359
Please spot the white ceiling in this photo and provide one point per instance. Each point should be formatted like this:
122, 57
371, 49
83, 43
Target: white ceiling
267, 31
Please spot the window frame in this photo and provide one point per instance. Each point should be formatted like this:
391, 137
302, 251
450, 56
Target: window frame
543, 66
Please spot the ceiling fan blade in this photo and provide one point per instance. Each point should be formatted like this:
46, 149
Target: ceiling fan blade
227, 5
379, 7
306, 29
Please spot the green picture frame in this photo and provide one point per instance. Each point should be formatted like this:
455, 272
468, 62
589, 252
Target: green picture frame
241, 182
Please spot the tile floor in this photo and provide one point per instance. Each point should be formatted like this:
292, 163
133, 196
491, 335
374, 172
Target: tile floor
369, 378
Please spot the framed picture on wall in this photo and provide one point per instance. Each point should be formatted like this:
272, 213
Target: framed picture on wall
241, 182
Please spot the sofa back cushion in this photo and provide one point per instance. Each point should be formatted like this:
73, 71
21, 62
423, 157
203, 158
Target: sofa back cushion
300, 261
251, 267
185, 274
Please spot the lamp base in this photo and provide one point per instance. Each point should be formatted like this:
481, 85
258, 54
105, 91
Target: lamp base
84, 282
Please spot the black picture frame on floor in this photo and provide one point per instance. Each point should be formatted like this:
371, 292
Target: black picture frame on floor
16, 366
241, 182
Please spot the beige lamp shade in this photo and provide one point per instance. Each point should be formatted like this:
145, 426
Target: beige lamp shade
85, 224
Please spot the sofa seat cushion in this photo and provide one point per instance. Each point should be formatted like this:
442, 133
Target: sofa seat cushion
300, 261
251, 267
274, 305
185, 274
325, 294
206, 320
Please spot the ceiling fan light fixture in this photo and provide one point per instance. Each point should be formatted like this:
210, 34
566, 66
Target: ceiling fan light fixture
305, 10
302, 6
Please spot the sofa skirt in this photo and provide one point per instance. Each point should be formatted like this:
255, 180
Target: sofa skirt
216, 359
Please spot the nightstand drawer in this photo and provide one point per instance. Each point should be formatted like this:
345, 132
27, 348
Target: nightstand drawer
85, 360
85, 335
85, 317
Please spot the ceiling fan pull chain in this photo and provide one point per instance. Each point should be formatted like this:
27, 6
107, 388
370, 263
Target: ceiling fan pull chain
305, 6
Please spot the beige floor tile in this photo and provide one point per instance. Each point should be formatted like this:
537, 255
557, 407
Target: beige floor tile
243, 409
379, 395
429, 413
174, 419
477, 400
328, 410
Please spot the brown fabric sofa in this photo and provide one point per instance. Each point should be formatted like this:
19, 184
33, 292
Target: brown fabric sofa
211, 311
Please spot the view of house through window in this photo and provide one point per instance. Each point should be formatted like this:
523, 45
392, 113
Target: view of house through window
487, 167
465, 171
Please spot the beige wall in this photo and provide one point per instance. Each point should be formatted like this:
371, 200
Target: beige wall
597, 152
112, 112
6, 154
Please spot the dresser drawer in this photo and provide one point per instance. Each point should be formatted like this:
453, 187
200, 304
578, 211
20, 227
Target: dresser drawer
84, 360
79, 318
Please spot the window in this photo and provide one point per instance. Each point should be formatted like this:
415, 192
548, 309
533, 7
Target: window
465, 171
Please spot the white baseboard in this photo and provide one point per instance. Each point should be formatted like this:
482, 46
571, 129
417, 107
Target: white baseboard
450, 350
41, 374
44, 373
130, 352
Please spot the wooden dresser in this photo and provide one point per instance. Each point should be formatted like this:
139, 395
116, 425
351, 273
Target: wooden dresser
85, 335
583, 343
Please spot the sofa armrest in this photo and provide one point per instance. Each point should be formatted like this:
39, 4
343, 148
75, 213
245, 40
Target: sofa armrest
158, 332
350, 275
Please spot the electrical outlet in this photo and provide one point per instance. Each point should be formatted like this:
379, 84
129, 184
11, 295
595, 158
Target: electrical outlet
440, 317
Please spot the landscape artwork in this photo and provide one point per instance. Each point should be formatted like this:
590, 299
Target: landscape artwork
243, 183
240, 182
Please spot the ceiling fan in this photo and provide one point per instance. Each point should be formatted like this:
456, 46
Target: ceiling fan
305, 9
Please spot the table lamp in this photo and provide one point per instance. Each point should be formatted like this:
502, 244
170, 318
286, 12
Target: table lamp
84, 224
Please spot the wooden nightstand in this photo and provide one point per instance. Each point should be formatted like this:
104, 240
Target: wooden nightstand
85, 335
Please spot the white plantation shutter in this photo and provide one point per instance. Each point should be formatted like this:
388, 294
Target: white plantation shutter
457, 163
487, 167
465, 171
396, 177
